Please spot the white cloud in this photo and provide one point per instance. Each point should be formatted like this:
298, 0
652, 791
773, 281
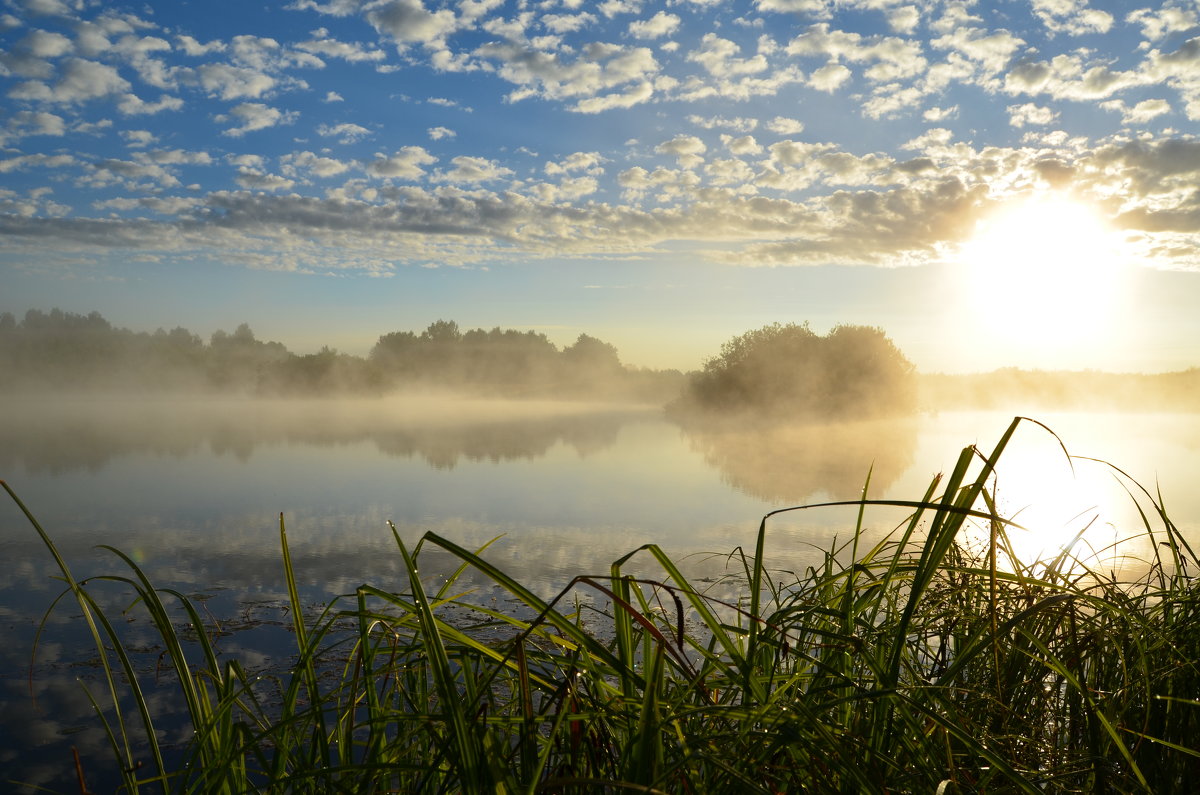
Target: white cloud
137, 174
404, 164
903, 19
138, 138
333, 96
322, 44
781, 125
599, 68
1142, 112
265, 54
234, 82
610, 8
298, 163
936, 115
471, 10
81, 80
566, 23
247, 161
891, 100
253, 179
817, 8
346, 132
24, 123
336, 8
408, 21
1072, 17
134, 47
194, 48
666, 183
92, 128
578, 161
720, 58
742, 145
955, 15
686, 149
47, 8
935, 138
133, 105
829, 77
177, 157
1031, 114
731, 172
257, 116
633, 95
30, 56
990, 50
22, 162
1159, 22
657, 26
891, 57
1069, 77
737, 123
568, 190
438, 133
473, 169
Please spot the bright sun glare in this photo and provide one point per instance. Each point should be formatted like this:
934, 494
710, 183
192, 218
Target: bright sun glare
1058, 507
1045, 270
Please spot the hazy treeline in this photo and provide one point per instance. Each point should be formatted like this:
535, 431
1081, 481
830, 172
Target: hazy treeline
774, 372
66, 351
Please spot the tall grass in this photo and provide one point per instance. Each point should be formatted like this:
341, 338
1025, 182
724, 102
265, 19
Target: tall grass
919, 663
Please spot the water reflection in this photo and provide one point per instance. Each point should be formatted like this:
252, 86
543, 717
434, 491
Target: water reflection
792, 463
61, 435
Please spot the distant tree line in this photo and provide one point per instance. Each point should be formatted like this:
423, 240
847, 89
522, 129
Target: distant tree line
66, 351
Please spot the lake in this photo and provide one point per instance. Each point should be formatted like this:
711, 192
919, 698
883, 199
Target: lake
193, 492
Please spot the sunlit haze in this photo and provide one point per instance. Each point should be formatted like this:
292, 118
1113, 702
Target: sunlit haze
1046, 271
993, 184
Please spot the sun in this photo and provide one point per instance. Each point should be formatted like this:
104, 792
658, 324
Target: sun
1043, 271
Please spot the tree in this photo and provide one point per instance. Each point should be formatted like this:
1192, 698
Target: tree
589, 353
854, 371
442, 331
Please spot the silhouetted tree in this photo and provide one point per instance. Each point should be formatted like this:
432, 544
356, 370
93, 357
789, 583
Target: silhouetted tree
854, 371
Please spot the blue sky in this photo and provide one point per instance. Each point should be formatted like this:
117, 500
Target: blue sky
662, 175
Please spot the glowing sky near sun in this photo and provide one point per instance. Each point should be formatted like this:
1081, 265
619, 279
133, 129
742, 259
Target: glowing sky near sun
663, 175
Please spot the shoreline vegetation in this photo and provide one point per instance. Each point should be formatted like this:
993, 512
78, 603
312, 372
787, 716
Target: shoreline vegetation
851, 371
933, 660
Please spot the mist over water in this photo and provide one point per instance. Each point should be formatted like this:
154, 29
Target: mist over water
561, 460
193, 490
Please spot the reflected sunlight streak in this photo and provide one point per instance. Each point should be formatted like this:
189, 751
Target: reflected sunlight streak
1058, 509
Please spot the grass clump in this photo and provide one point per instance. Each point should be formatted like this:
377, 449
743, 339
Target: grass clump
924, 662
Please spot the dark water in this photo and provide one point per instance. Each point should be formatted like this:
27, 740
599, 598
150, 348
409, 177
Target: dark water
193, 492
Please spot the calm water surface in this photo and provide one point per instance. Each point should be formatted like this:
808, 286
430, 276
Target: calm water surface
193, 491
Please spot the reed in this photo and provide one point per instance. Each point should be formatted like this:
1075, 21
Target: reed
918, 663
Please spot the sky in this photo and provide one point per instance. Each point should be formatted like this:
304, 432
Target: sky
1011, 183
